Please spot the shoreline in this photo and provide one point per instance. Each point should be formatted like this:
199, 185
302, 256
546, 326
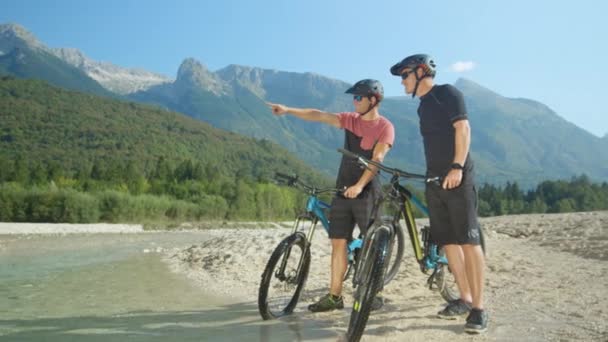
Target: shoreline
10, 228
23, 228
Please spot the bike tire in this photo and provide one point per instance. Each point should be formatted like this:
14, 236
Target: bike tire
444, 279
395, 262
294, 242
351, 264
349, 270
373, 282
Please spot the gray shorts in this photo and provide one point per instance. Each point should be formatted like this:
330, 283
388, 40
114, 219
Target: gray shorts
453, 214
346, 212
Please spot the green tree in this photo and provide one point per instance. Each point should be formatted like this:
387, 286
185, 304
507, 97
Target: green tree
244, 204
564, 205
163, 170
20, 172
38, 174
6, 170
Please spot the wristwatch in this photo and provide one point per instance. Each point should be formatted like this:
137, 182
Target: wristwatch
456, 166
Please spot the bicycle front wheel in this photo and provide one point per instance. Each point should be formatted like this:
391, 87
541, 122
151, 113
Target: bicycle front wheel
372, 282
396, 253
284, 277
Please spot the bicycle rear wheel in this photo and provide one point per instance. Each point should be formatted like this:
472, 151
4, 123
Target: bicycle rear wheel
284, 277
349, 269
372, 282
444, 279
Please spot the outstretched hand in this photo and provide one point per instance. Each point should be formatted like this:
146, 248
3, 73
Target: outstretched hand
277, 109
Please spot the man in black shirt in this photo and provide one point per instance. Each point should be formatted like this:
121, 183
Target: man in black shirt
452, 206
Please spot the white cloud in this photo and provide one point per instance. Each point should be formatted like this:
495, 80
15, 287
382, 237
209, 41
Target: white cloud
462, 66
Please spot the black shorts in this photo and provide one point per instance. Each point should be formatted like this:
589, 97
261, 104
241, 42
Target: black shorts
453, 214
346, 212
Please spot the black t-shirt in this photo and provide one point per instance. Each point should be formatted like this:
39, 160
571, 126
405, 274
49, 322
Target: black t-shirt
350, 171
438, 110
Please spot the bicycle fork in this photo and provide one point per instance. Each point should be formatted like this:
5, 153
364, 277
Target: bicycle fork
280, 273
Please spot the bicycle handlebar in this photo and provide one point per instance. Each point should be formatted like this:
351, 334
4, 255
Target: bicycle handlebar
394, 171
294, 181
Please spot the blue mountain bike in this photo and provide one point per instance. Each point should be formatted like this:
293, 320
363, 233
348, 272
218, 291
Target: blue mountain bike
287, 269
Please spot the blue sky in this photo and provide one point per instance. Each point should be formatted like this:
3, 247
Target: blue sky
553, 52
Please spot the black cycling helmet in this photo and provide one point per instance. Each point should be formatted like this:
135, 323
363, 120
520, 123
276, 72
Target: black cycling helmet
367, 88
420, 60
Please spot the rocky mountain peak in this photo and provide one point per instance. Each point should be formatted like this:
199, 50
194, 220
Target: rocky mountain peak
467, 86
250, 77
191, 68
14, 35
114, 78
73, 56
193, 73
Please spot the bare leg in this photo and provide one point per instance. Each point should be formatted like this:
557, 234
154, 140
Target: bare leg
475, 264
338, 265
456, 261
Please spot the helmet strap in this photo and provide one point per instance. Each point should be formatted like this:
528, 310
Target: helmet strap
371, 106
418, 81
415, 87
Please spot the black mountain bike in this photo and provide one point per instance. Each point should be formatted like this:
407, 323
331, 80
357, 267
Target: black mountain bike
376, 247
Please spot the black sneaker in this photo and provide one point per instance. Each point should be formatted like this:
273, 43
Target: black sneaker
477, 322
454, 309
327, 303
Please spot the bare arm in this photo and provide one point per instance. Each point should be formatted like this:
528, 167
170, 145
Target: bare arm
307, 114
379, 153
462, 137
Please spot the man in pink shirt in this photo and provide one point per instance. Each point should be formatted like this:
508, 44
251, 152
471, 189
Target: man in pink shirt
371, 135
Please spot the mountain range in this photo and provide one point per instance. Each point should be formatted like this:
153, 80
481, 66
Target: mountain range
43, 123
23, 55
513, 139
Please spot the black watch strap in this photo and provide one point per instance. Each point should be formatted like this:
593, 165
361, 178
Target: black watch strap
457, 166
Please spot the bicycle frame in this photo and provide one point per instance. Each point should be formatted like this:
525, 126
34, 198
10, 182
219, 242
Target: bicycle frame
314, 208
315, 213
427, 255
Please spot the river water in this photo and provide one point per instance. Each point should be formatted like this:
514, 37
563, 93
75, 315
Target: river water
114, 287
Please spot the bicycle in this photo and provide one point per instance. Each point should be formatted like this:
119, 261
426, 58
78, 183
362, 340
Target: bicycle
375, 247
289, 263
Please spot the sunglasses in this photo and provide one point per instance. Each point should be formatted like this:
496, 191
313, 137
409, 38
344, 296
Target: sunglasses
358, 98
407, 74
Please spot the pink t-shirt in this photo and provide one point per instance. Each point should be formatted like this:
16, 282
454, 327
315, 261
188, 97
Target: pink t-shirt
372, 131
